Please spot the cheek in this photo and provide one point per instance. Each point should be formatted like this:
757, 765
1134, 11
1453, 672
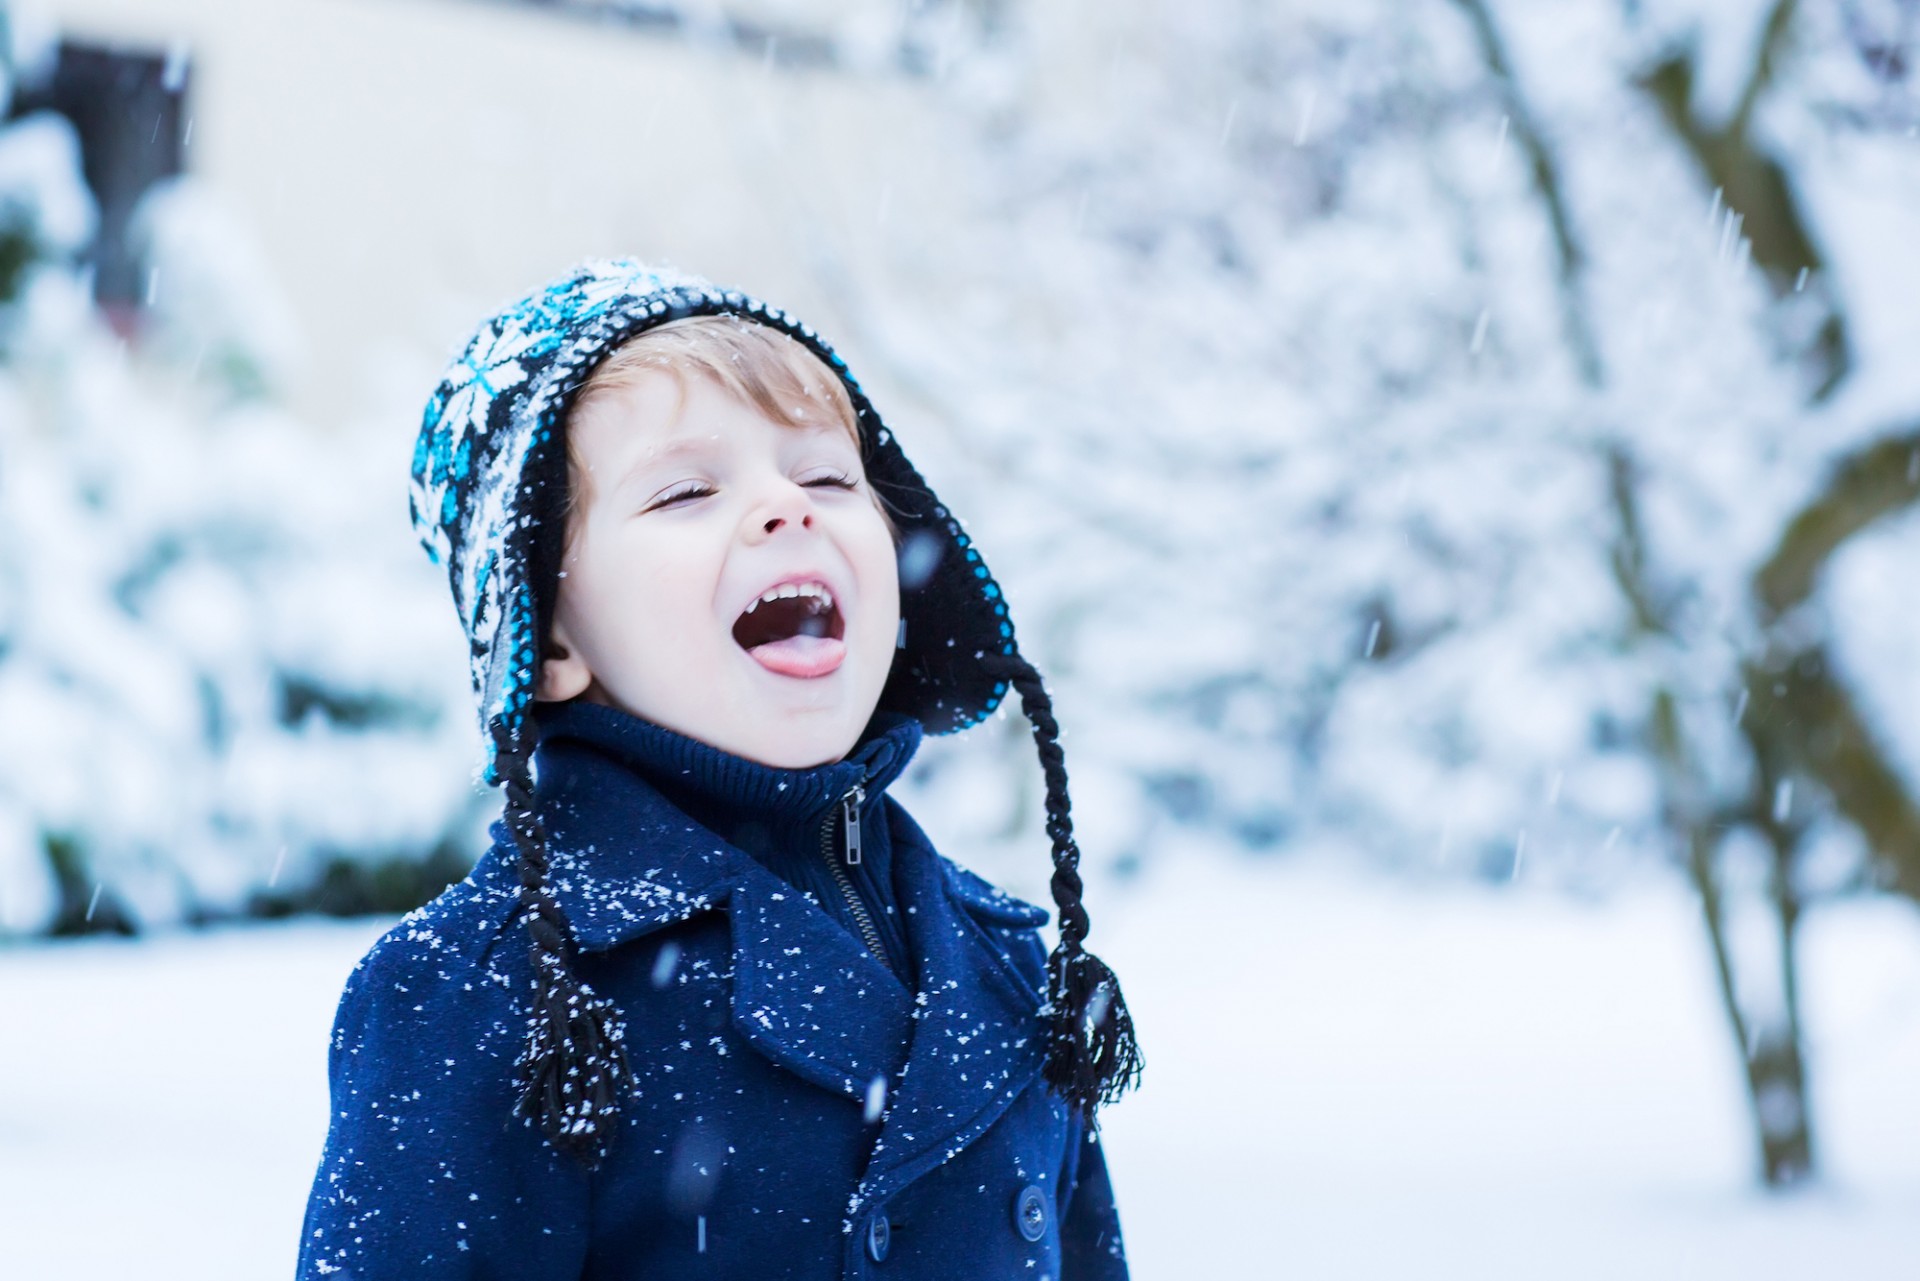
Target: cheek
647, 593
880, 571
673, 598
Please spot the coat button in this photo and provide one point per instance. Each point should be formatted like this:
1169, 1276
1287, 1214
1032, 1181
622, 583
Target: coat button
1030, 1213
879, 1237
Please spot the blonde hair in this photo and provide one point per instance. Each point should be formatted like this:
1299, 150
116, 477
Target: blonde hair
754, 363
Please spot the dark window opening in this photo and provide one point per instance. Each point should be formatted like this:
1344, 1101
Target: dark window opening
129, 109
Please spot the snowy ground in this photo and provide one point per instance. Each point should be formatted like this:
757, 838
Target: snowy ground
1347, 1079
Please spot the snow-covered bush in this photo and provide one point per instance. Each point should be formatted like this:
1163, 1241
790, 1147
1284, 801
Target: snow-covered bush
225, 686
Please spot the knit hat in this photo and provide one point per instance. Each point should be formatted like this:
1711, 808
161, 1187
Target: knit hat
489, 480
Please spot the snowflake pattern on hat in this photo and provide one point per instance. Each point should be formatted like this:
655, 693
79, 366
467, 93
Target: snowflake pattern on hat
489, 461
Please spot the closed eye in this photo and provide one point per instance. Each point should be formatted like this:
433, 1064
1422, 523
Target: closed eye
697, 490
679, 495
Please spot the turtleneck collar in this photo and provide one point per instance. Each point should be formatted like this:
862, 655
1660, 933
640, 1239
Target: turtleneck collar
780, 797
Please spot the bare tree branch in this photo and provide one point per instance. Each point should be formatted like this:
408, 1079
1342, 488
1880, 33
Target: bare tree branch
1771, 39
1755, 187
1865, 487
1546, 180
1801, 715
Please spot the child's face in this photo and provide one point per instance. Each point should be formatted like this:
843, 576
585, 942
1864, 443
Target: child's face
689, 506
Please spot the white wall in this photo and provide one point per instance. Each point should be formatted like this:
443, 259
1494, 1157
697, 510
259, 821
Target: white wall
406, 165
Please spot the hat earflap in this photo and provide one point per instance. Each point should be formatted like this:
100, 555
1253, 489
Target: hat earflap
573, 1068
1093, 1055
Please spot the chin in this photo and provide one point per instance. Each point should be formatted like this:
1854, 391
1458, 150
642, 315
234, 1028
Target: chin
804, 734
803, 749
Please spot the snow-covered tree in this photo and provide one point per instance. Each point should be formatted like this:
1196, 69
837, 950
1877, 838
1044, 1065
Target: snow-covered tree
1422, 430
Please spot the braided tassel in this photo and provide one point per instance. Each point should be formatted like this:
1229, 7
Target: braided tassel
573, 1068
1093, 1055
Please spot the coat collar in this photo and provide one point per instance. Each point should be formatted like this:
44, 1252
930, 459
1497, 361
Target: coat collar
626, 862
628, 859
685, 766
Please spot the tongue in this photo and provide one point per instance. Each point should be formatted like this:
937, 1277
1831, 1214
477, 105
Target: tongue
801, 655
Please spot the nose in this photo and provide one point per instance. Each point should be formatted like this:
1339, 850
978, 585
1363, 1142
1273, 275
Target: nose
785, 504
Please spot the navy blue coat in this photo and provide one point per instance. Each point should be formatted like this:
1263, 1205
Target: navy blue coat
796, 1111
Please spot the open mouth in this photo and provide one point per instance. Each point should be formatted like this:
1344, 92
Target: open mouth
795, 629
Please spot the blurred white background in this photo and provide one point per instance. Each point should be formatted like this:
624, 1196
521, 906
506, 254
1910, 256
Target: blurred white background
1455, 461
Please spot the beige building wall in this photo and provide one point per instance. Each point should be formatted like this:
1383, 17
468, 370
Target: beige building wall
406, 165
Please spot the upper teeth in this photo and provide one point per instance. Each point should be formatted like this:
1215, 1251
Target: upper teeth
815, 590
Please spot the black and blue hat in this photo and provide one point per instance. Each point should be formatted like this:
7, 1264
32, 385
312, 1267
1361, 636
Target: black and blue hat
488, 489
490, 464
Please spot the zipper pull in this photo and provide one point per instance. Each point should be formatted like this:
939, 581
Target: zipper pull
850, 810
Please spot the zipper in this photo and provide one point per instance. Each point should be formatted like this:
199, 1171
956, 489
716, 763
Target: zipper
850, 815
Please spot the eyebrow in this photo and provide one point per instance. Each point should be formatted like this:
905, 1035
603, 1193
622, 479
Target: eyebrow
678, 447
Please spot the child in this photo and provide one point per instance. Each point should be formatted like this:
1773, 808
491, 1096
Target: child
712, 1005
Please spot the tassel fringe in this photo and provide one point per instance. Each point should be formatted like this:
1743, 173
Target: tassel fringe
573, 1068
1093, 1056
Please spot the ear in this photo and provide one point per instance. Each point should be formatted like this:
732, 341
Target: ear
563, 672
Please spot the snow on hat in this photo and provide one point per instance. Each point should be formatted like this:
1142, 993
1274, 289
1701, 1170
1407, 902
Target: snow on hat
489, 479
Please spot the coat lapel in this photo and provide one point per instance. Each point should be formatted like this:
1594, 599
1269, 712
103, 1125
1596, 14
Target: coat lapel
625, 863
806, 995
976, 1020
